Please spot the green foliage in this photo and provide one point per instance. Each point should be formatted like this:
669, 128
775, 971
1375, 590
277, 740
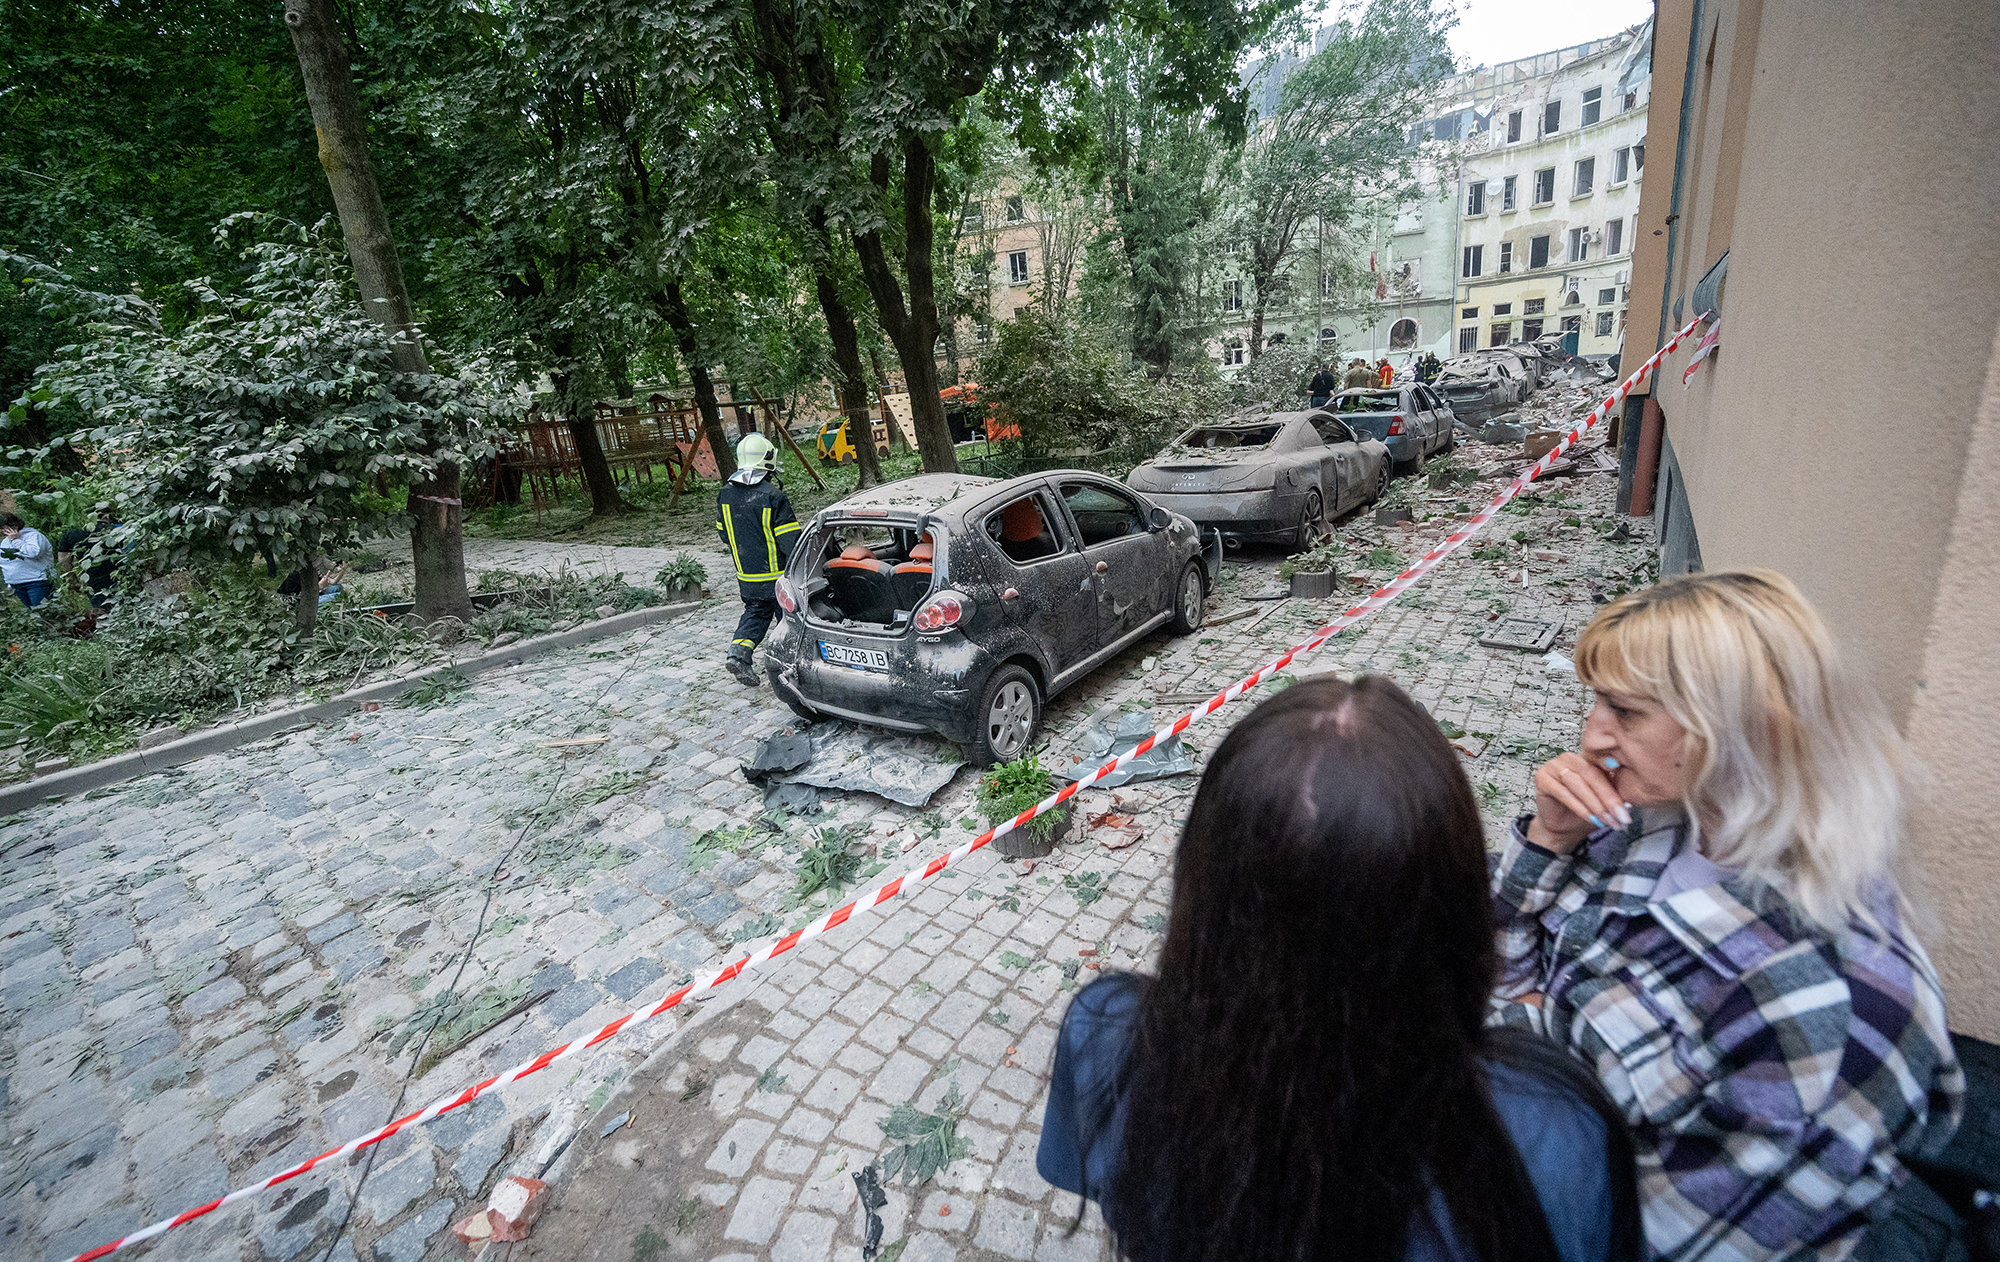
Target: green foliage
825, 865
1318, 559
434, 690
52, 694
926, 1143
1013, 787
1383, 559
682, 571
1085, 887
568, 596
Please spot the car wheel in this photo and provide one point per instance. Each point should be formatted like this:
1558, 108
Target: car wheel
1193, 593
1381, 488
1010, 709
1415, 464
1310, 521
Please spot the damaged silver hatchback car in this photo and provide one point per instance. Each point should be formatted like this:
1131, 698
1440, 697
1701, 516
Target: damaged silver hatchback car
1278, 477
960, 605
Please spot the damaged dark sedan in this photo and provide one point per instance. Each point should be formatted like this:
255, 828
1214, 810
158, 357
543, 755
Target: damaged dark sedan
960, 605
1277, 478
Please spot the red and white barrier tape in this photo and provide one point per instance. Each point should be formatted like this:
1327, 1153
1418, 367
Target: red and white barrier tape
883, 893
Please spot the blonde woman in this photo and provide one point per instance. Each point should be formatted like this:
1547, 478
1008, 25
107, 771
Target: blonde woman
1703, 909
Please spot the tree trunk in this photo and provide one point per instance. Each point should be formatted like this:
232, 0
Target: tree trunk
305, 609
674, 304
437, 539
580, 416
913, 328
853, 385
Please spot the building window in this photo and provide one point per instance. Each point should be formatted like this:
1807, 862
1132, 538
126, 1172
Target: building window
1468, 337
1232, 246
1232, 353
1614, 237
1530, 330
1586, 176
1232, 295
1326, 284
1545, 186
1016, 209
1017, 267
1552, 115
1506, 256
1621, 164
1475, 257
982, 333
1514, 127
1507, 193
1500, 335
1503, 308
1533, 306
1604, 323
1573, 324
1327, 337
1538, 252
1593, 105
1639, 156
1475, 198
974, 218
1605, 297
1631, 99
1468, 313
1402, 335
1579, 244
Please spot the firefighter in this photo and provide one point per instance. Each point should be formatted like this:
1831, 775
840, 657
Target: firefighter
755, 519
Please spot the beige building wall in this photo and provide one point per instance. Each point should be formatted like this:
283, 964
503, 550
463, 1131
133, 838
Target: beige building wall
1846, 156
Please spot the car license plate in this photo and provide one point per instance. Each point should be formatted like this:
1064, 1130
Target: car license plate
863, 659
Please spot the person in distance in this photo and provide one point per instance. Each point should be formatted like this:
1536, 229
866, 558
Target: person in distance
1311, 1074
1702, 909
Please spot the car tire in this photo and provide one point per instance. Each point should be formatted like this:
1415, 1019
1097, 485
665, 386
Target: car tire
1010, 712
1311, 518
1189, 598
1415, 464
1381, 487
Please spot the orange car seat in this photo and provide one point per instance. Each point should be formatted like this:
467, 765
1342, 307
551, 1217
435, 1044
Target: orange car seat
913, 577
1024, 536
861, 585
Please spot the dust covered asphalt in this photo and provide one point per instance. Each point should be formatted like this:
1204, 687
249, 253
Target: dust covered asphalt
211, 974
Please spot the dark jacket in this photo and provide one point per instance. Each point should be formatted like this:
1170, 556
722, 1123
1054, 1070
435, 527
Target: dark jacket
1322, 383
755, 520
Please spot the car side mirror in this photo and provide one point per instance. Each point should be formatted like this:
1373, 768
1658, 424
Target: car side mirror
1159, 518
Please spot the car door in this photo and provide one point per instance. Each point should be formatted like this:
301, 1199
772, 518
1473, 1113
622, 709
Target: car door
1045, 584
1349, 467
1127, 558
1433, 418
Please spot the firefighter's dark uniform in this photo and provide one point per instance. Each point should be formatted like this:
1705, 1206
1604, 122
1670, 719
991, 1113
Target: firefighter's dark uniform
755, 520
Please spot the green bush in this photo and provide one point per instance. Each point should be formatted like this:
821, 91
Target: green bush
1013, 787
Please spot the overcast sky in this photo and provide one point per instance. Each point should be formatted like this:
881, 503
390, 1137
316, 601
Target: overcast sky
1493, 31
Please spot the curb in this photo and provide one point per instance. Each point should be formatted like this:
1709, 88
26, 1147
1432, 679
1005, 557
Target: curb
18, 797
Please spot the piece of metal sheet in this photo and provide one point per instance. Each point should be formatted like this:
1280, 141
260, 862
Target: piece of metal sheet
1111, 731
905, 769
1526, 634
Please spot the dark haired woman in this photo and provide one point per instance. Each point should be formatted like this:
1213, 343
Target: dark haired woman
1310, 1075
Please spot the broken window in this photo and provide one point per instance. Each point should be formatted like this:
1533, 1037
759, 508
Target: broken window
1501, 334
1507, 193
982, 333
1631, 98
1614, 237
1402, 335
1506, 256
1604, 323
1017, 267
1468, 337
1468, 313
1538, 249
1475, 257
1639, 156
1530, 330
1016, 209
1102, 514
1022, 531
1503, 308
1586, 176
1552, 114
1370, 401
1532, 306
1327, 337
1514, 127
1621, 164
1579, 244
1605, 297
1545, 186
1475, 198
1232, 295
1593, 105
973, 219
1573, 324
1232, 353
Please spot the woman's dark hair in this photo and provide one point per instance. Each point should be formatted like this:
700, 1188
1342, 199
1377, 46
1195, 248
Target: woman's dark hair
1307, 1070
12, 519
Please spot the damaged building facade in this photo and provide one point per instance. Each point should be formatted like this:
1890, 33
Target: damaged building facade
1859, 457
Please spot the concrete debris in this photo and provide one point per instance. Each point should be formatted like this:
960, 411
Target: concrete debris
1527, 634
1111, 732
622, 1120
510, 1212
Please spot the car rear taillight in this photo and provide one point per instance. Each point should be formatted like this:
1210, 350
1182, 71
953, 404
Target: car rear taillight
942, 611
786, 601
1396, 424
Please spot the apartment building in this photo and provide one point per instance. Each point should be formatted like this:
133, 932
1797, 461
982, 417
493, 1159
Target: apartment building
1553, 162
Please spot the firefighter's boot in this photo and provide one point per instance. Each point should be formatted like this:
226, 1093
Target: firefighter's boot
738, 665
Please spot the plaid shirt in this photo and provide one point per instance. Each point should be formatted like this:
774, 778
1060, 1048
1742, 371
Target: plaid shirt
1771, 1075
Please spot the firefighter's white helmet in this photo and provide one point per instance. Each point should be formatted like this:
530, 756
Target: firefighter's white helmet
757, 452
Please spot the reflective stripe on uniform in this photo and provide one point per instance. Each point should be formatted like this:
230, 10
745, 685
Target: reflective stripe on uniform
735, 555
788, 526
770, 540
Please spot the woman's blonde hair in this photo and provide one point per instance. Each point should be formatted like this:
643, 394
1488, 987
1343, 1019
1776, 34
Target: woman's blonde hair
1798, 774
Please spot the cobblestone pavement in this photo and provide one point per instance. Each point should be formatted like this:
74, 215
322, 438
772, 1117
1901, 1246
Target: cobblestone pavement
210, 974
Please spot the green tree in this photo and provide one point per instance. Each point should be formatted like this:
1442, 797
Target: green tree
272, 424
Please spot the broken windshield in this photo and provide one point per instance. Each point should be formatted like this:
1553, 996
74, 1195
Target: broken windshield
1234, 436
1373, 401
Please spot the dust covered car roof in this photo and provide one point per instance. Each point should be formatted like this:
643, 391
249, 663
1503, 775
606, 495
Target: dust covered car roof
927, 492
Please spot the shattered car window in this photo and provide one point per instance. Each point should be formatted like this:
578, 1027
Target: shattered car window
1333, 431
1232, 436
1100, 514
1022, 531
1375, 401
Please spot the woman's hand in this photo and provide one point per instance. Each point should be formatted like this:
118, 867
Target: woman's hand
1573, 799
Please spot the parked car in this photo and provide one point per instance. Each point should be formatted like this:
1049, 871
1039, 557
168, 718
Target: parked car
961, 605
1278, 477
1526, 361
1478, 391
1412, 421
